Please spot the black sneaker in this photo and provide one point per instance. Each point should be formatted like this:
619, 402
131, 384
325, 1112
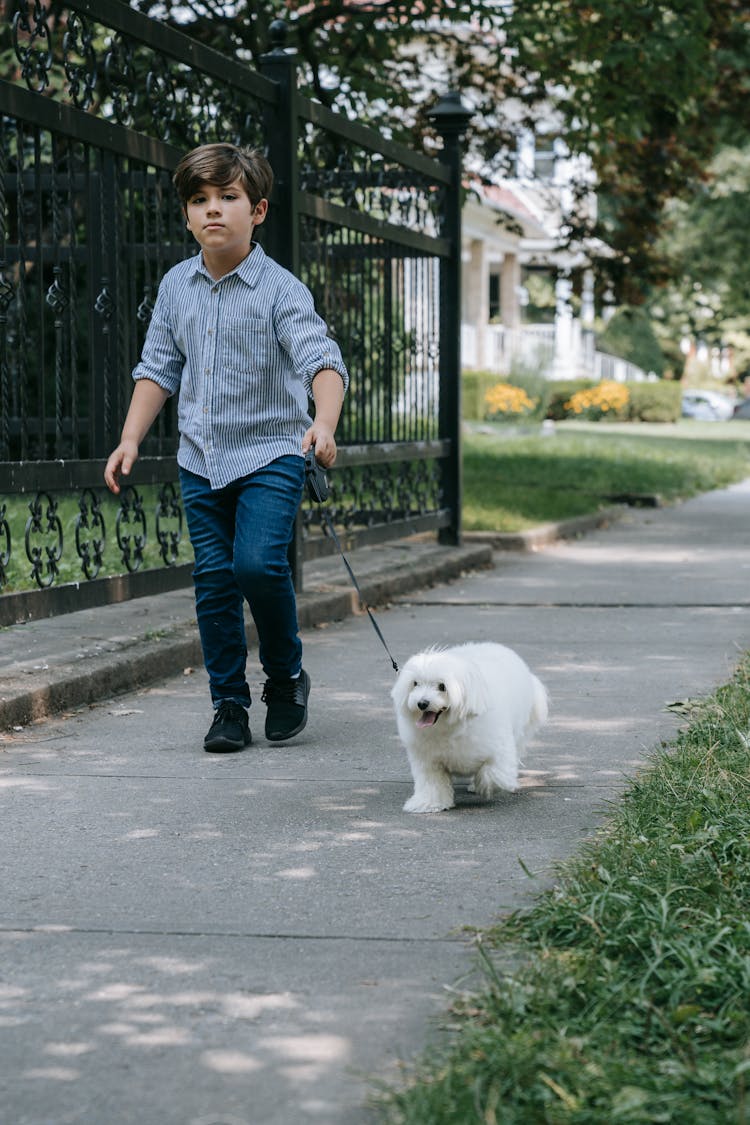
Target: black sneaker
287, 706
229, 730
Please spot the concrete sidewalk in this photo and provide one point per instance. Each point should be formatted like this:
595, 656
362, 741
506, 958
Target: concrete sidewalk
57, 663
250, 939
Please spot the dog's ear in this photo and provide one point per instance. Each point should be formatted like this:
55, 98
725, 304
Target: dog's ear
402, 687
458, 690
465, 689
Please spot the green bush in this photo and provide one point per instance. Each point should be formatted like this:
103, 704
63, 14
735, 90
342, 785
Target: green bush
630, 335
474, 386
649, 402
655, 402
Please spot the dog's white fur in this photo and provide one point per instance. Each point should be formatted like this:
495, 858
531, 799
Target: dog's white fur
466, 710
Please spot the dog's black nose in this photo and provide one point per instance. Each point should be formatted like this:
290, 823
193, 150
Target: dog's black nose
423, 704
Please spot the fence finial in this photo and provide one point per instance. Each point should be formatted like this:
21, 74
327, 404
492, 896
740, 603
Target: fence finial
277, 31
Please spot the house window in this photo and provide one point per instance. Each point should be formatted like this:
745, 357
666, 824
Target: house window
495, 296
544, 156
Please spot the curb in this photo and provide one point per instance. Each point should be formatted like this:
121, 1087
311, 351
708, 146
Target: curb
547, 533
147, 659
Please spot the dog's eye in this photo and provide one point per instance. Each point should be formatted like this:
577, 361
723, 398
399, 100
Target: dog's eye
415, 683
441, 687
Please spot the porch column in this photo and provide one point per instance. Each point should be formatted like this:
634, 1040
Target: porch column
564, 362
476, 298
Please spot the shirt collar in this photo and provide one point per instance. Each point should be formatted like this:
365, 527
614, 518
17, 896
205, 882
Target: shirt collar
249, 269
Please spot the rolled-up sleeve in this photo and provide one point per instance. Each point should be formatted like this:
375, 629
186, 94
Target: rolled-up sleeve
304, 336
161, 359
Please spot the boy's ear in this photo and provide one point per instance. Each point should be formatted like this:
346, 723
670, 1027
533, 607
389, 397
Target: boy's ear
261, 210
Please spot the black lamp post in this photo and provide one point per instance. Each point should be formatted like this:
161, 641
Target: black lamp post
451, 120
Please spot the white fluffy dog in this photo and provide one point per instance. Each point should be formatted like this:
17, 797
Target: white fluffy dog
466, 710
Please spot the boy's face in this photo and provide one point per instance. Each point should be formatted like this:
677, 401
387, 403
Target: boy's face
222, 220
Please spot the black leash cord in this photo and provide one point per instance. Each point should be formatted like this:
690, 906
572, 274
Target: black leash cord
362, 602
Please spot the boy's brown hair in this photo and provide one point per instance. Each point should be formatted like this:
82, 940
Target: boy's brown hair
220, 165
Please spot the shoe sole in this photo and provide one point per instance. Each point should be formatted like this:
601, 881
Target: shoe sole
302, 725
225, 746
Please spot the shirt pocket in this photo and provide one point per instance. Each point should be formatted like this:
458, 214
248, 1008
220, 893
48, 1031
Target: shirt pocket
245, 345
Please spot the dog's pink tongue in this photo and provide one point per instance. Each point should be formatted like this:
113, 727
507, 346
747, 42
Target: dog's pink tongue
427, 719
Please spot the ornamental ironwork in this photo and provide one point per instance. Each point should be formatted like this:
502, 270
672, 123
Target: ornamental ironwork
168, 509
91, 533
97, 106
131, 528
44, 556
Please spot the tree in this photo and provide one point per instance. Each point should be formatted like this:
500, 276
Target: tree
648, 90
706, 240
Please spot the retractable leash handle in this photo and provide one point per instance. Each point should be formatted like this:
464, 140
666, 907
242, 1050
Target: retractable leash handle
318, 490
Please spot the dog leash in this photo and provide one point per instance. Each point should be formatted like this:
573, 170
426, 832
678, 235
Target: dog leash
317, 490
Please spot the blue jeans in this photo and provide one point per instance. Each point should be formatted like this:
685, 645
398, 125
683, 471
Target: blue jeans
241, 535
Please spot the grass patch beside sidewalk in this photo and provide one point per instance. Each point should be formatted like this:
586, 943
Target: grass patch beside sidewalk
513, 483
632, 1002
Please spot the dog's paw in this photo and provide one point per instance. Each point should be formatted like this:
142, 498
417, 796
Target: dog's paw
421, 804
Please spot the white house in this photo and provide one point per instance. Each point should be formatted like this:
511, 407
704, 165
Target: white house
511, 228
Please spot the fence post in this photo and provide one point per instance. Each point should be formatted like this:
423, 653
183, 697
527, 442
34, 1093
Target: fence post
281, 129
451, 120
282, 235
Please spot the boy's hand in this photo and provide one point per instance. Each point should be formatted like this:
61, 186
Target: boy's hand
121, 461
322, 438
148, 399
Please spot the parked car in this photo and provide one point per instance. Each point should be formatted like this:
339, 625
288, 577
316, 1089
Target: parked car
742, 409
707, 406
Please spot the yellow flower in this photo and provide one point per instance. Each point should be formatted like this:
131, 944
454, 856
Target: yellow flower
505, 399
604, 397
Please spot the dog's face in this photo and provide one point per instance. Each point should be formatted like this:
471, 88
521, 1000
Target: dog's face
430, 689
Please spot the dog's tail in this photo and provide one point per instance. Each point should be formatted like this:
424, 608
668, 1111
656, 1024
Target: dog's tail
540, 705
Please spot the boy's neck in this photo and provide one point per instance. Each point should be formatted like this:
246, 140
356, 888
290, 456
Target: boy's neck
219, 265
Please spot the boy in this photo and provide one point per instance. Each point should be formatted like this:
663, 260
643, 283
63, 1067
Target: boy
238, 337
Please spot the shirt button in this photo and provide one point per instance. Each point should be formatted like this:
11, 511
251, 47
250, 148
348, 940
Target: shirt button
207, 370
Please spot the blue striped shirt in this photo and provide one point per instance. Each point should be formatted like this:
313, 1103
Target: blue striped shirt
243, 353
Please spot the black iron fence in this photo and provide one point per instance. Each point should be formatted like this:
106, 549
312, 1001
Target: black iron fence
98, 105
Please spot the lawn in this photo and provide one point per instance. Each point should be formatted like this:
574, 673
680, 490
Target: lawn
514, 481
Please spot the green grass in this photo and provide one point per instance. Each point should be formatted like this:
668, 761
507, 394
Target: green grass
631, 1001
512, 483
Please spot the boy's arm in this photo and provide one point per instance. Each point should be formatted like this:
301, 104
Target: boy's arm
318, 362
328, 396
148, 399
